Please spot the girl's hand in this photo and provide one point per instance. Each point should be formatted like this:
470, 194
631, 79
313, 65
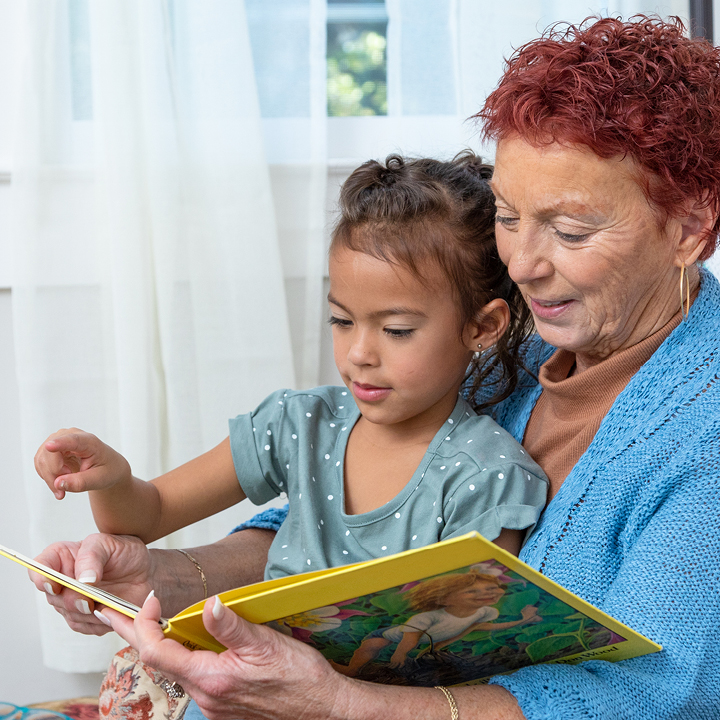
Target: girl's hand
75, 461
262, 674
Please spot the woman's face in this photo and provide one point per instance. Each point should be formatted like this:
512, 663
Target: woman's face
584, 246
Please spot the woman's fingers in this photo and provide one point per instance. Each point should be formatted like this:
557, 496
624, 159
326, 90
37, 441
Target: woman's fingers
115, 562
121, 624
146, 635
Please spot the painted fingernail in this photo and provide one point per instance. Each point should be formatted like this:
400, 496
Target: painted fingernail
150, 594
48, 589
82, 606
102, 618
88, 577
217, 610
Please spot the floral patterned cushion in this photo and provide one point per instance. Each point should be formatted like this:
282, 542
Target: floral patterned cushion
134, 691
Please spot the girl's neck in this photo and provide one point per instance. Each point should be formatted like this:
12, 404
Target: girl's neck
380, 459
419, 429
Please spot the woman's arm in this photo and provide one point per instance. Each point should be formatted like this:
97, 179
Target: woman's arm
76, 461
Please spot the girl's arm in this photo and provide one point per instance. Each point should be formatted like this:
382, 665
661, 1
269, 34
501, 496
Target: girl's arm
75, 461
409, 642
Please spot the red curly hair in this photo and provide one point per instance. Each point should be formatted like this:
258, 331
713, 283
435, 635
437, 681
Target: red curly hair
639, 89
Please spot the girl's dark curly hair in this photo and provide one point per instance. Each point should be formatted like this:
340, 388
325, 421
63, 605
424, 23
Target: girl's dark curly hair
414, 211
640, 89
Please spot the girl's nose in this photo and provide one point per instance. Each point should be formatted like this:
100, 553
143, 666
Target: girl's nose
362, 350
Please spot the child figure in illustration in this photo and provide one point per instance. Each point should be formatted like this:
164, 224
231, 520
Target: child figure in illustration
396, 458
450, 607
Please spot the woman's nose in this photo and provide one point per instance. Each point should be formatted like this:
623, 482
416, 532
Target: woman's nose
528, 259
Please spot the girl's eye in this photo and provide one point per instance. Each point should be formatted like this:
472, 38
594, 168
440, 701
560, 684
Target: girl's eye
398, 333
340, 322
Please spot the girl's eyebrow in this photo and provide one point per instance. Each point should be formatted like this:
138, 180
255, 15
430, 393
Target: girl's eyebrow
382, 313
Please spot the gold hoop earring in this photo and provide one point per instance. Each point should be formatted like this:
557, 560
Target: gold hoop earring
684, 292
477, 353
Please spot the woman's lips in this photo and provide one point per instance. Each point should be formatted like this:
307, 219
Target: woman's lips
370, 393
547, 310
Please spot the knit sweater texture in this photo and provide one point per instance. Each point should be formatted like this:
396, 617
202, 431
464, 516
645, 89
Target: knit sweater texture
635, 530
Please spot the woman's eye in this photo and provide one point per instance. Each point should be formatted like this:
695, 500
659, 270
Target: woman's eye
339, 322
505, 220
399, 333
568, 237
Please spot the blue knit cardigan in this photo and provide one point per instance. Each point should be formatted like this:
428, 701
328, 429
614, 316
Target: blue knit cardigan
635, 530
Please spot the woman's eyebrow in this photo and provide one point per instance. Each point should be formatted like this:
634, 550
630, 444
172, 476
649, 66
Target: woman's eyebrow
568, 206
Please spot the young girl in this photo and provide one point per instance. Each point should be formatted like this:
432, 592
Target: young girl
449, 607
396, 459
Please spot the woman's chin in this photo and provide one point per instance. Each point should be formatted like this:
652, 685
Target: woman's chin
561, 337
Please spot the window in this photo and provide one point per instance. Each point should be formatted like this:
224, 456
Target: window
356, 58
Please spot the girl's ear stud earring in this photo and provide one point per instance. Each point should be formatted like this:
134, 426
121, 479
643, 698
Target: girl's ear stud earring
476, 354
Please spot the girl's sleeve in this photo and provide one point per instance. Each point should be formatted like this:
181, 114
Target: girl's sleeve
667, 589
489, 499
258, 444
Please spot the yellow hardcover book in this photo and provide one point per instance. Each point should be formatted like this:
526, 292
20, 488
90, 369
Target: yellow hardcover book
456, 612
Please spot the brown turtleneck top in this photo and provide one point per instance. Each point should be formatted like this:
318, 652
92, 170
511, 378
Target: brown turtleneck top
570, 408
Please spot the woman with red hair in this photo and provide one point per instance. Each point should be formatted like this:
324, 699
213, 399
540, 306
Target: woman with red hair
607, 184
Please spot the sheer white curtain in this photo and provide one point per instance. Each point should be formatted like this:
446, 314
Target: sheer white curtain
148, 294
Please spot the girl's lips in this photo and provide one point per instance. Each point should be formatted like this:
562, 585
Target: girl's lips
370, 393
545, 311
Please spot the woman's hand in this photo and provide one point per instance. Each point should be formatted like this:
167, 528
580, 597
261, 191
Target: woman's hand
75, 461
119, 564
262, 674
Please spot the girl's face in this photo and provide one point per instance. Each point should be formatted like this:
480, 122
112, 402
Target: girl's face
479, 594
396, 340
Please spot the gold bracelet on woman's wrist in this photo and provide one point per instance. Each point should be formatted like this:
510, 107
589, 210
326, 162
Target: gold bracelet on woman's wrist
199, 569
454, 715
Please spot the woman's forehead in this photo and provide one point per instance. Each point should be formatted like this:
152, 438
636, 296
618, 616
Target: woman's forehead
563, 178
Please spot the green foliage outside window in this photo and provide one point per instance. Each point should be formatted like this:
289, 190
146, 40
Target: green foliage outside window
356, 69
